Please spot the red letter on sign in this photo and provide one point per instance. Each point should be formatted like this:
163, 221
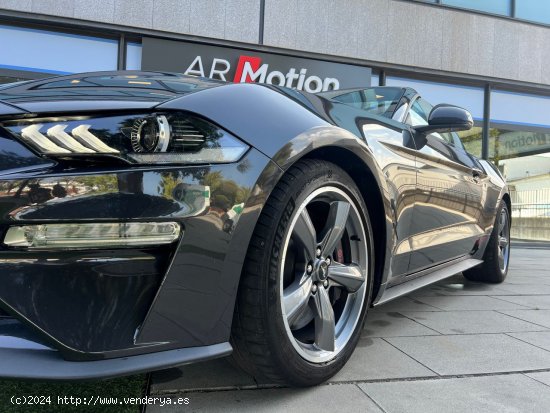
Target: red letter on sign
254, 62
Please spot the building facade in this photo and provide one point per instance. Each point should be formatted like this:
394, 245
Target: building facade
491, 57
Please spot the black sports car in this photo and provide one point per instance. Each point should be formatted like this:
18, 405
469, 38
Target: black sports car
149, 220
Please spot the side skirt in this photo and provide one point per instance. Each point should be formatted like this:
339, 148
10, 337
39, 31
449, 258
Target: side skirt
430, 276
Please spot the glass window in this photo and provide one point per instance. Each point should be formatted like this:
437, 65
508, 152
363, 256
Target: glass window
507, 142
523, 157
54, 52
419, 113
472, 140
535, 10
519, 144
470, 98
133, 56
520, 109
489, 6
378, 100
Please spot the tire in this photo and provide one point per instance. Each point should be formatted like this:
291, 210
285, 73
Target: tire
497, 253
282, 327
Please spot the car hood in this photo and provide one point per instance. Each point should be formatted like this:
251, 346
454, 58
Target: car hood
98, 91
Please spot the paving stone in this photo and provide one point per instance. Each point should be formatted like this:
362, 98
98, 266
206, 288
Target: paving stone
469, 303
374, 358
543, 377
530, 280
402, 340
540, 339
471, 322
393, 325
541, 302
340, 398
523, 289
470, 354
215, 374
404, 304
540, 317
462, 287
503, 394
530, 271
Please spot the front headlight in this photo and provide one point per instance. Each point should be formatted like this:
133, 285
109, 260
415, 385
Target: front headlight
165, 138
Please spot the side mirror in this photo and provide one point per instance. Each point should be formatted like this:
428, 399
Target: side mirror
446, 118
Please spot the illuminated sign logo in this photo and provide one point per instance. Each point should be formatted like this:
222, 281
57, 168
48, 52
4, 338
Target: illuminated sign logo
251, 69
235, 65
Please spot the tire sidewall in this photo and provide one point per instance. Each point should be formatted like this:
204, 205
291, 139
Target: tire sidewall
301, 186
495, 235
489, 271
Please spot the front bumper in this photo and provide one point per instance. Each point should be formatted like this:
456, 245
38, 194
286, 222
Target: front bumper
23, 358
115, 311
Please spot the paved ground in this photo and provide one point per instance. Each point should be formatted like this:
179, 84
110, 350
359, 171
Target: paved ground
455, 346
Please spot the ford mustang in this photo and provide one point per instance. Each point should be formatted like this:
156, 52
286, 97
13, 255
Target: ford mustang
149, 220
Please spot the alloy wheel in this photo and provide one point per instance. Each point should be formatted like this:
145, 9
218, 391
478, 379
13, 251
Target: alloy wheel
323, 280
503, 240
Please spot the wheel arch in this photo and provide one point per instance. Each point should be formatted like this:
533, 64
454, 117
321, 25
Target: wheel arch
345, 150
506, 198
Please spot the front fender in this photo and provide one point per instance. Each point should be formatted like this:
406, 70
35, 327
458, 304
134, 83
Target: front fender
259, 115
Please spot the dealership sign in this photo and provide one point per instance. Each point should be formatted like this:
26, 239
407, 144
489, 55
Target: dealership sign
235, 65
511, 144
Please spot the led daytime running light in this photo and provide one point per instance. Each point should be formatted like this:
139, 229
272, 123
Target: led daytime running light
106, 235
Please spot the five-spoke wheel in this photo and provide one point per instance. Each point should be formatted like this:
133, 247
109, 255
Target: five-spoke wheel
503, 240
304, 293
323, 273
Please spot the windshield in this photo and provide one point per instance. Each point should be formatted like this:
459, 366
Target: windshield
377, 100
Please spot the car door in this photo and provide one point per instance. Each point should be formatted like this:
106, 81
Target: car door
369, 113
448, 199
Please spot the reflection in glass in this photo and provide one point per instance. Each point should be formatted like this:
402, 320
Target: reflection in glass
535, 10
10, 79
472, 140
520, 108
56, 52
523, 157
378, 100
490, 6
133, 56
508, 143
467, 97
